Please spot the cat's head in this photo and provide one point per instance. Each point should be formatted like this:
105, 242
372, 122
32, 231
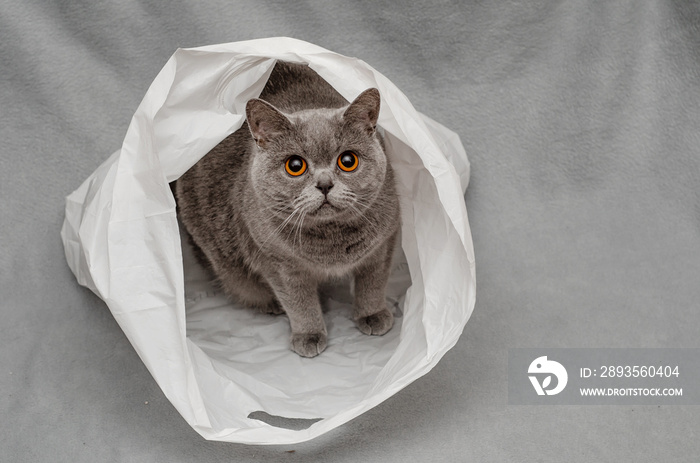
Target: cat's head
320, 164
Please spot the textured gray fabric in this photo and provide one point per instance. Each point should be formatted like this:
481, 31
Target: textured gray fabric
581, 123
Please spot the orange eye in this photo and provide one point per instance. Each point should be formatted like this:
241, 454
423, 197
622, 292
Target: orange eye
348, 161
295, 166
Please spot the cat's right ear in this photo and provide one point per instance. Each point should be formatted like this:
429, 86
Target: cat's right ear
364, 110
265, 121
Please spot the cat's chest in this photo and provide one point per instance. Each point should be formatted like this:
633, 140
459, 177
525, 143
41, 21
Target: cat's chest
331, 248
338, 243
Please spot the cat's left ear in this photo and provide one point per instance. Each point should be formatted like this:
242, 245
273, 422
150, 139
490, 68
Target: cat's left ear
364, 110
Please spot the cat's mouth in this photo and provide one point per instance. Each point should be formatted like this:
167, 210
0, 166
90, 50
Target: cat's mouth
325, 207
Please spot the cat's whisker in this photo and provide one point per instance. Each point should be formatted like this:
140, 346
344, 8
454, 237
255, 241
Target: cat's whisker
370, 224
279, 228
293, 231
301, 201
299, 228
365, 205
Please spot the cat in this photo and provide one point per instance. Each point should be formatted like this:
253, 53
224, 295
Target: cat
301, 194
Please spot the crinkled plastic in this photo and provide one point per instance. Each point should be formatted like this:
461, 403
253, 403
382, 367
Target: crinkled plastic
228, 370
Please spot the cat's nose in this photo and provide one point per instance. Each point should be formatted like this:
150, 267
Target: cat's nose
325, 184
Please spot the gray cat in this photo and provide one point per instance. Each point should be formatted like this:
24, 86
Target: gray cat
301, 194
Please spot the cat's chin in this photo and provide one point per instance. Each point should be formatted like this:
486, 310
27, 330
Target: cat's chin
327, 212
326, 209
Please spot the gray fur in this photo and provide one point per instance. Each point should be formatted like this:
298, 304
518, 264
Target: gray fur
267, 236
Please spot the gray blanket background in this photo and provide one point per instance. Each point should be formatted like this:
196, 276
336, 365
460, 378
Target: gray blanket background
581, 123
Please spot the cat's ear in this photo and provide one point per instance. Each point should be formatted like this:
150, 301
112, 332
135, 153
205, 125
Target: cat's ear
364, 110
265, 121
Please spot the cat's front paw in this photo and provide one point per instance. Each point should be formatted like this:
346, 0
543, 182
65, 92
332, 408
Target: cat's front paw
309, 345
271, 308
376, 324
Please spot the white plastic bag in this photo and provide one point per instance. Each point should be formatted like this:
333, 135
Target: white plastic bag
224, 367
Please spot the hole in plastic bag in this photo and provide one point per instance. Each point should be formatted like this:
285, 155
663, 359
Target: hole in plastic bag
295, 424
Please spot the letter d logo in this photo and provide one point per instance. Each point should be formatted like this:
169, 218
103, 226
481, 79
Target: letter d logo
541, 365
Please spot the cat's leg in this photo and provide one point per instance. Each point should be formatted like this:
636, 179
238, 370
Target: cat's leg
298, 294
371, 312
